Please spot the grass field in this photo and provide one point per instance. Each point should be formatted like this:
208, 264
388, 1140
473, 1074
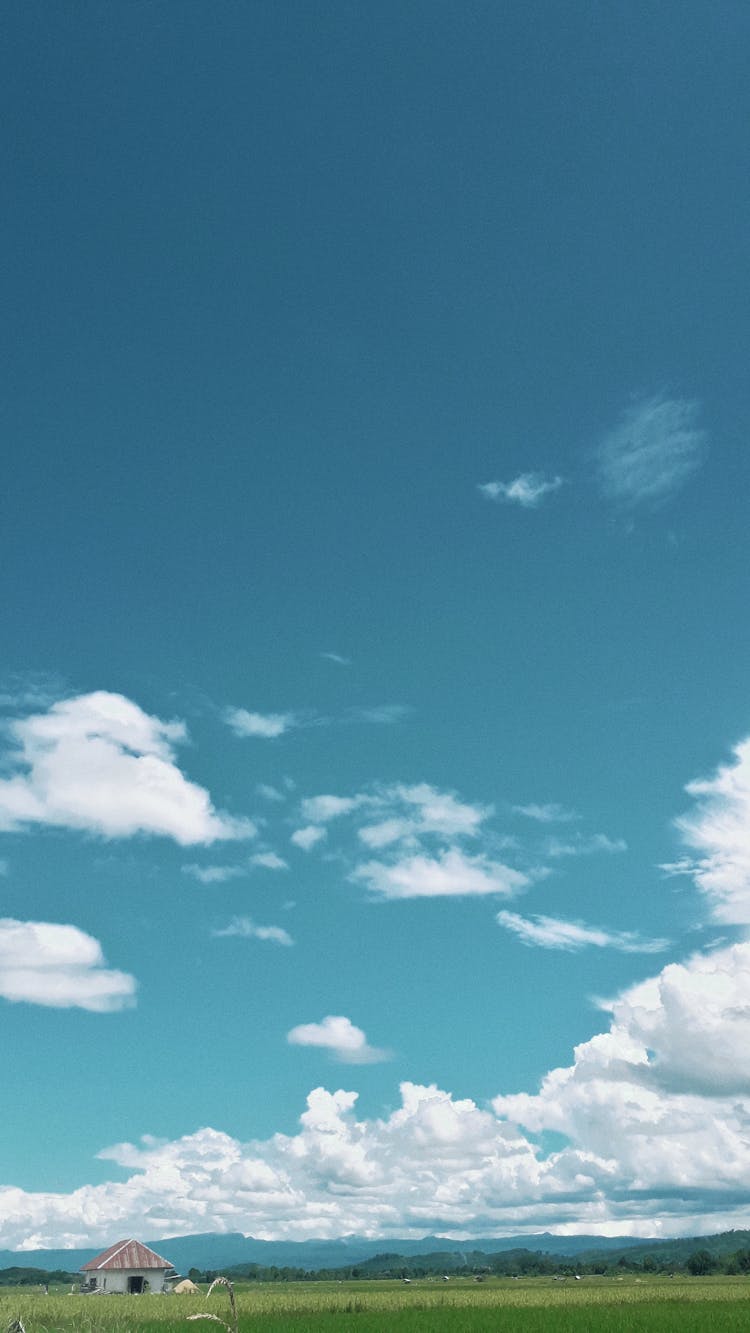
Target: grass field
532, 1305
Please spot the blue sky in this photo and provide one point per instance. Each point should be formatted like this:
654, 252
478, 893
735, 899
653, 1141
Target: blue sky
375, 426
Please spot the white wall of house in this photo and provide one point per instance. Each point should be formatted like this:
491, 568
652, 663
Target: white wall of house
116, 1279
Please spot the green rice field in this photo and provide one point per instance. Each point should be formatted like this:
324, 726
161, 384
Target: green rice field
532, 1305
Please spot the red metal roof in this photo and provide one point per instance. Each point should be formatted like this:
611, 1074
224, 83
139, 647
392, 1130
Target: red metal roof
126, 1254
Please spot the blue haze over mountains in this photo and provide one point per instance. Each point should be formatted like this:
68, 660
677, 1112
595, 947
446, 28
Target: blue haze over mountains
218, 1252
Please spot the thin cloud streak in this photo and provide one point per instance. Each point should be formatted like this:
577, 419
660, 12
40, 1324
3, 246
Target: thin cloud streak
547, 932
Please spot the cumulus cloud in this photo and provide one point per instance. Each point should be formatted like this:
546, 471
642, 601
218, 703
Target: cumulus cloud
340, 1037
652, 452
637, 1160
243, 927
663, 1096
654, 1114
450, 874
60, 967
548, 932
718, 830
98, 763
267, 726
308, 837
527, 490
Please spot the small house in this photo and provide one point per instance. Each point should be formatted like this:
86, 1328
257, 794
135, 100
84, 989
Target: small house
128, 1267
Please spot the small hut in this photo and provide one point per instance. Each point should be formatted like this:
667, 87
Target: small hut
129, 1266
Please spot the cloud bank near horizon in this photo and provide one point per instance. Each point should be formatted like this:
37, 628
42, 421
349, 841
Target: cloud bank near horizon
654, 1112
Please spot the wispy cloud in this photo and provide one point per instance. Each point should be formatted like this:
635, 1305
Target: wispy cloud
214, 874
652, 452
264, 726
339, 1036
549, 932
400, 810
59, 967
380, 715
98, 763
528, 489
269, 793
585, 846
243, 927
269, 861
337, 658
269, 726
551, 813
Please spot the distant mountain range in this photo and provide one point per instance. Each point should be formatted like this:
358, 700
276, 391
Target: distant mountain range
223, 1253
218, 1252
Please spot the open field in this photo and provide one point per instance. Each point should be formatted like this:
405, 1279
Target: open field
532, 1305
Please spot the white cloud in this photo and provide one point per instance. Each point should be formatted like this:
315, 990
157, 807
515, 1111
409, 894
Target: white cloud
320, 809
386, 832
269, 861
664, 1095
450, 874
655, 1112
654, 450
718, 830
639, 1163
267, 726
550, 932
340, 1037
59, 967
404, 810
244, 928
440, 812
551, 813
308, 837
98, 763
528, 489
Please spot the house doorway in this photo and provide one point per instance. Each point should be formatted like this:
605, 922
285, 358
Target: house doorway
135, 1286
